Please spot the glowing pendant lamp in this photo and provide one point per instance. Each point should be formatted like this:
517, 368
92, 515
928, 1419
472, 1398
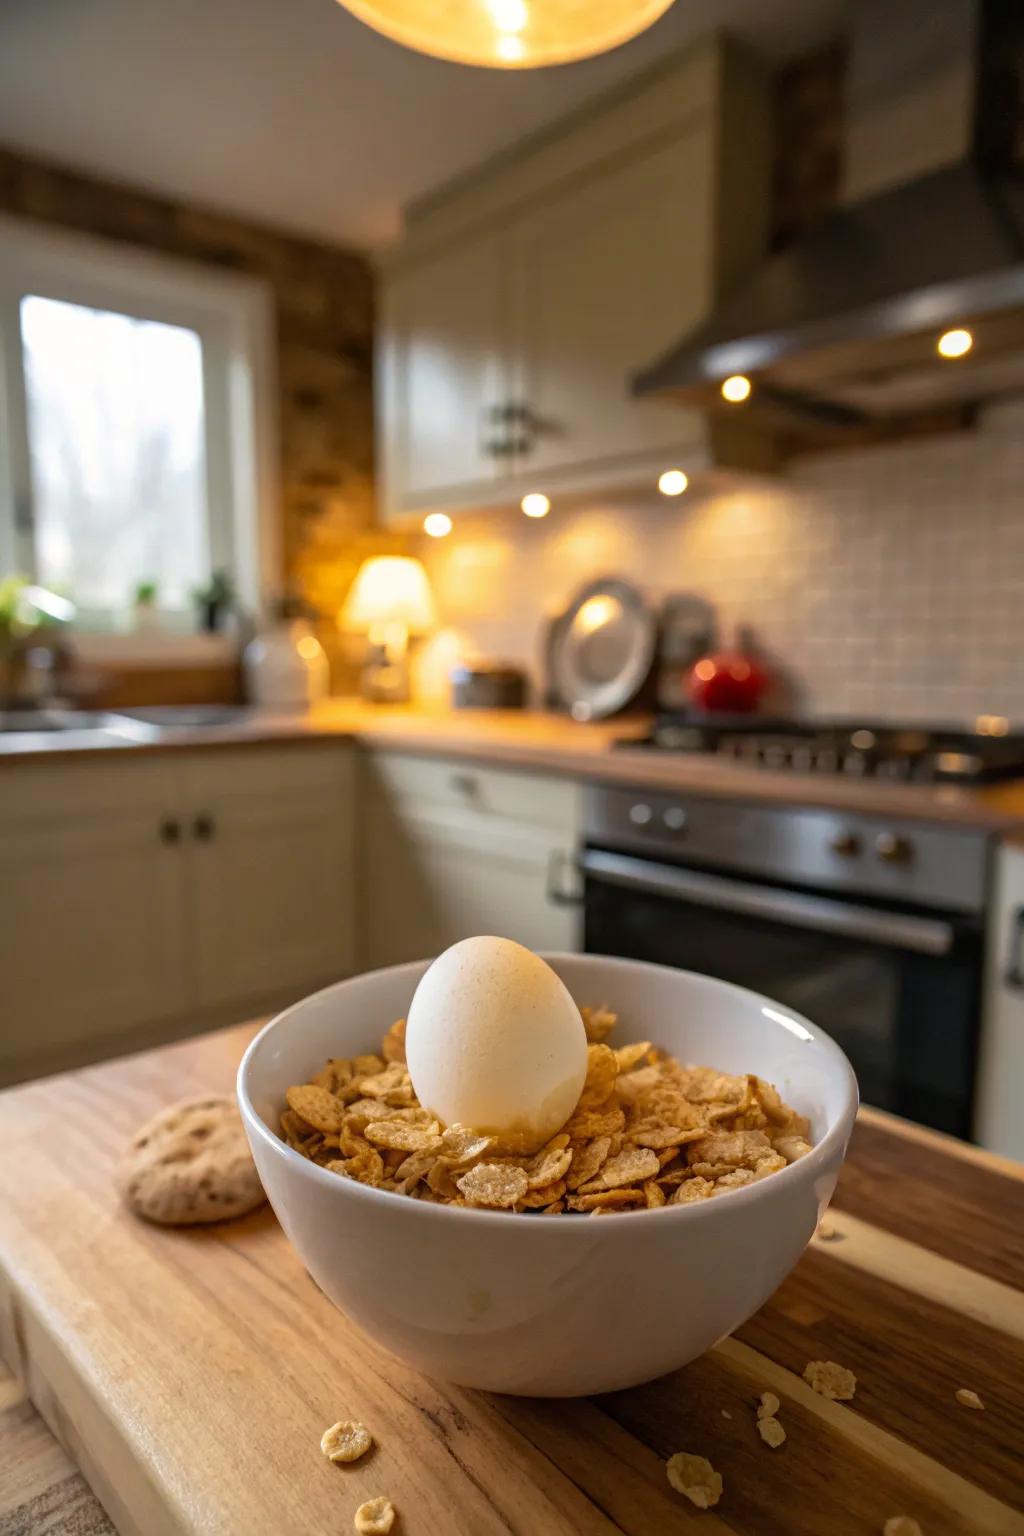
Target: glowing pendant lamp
509, 34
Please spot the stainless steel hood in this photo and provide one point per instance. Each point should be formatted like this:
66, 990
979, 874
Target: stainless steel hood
837, 333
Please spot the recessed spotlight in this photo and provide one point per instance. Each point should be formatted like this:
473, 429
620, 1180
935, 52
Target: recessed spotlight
437, 524
736, 388
954, 343
673, 482
535, 504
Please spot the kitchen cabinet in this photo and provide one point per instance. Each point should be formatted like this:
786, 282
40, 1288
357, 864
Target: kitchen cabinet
94, 926
450, 850
998, 1114
150, 897
523, 298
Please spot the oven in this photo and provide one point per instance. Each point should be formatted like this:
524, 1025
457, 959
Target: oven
872, 929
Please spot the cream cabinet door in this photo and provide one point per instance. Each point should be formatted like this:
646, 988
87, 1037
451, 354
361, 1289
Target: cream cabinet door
92, 933
613, 270
269, 839
443, 369
999, 1120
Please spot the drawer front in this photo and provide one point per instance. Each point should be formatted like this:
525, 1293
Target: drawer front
421, 783
265, 770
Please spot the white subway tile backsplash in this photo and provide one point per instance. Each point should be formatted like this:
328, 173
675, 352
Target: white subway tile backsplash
887, 581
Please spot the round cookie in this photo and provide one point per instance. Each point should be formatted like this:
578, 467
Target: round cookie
191, 1163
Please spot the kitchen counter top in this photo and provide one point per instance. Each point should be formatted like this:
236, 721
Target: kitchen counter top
551, 743
189, 1374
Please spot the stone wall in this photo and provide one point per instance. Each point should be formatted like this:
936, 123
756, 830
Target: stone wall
323, 300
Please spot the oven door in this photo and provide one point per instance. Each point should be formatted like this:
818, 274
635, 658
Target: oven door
898, 991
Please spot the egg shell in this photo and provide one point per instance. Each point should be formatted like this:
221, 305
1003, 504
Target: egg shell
495, 1042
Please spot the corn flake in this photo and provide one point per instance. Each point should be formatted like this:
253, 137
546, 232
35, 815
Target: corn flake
346, 1441
770, 1430
633, 1166
968, 1399
901, 1525
375, 1517
695, 1478
499, 1185
318, 1107
830, 1380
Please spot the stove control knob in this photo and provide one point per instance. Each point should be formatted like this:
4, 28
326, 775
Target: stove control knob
640, 814
846, 844
673, 818
893, 849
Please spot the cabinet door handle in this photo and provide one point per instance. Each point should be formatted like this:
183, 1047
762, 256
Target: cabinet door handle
170, 830
1015, 954
203, 828
466, 785
565, 887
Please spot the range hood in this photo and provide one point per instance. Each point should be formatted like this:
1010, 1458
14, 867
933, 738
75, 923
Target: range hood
838, 332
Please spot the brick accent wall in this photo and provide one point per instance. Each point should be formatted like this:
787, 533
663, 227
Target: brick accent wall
323, 300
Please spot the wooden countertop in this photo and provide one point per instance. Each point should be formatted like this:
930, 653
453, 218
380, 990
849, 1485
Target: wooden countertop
551, 743
189, 1374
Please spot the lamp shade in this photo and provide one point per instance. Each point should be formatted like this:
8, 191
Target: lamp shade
390, 589
509, 34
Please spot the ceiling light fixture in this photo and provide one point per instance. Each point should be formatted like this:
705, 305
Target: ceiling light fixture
954, 343
535, 504
437, 524
673, 482
509, 34
736, 388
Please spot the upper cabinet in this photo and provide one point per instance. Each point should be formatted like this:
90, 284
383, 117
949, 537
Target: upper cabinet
522, 299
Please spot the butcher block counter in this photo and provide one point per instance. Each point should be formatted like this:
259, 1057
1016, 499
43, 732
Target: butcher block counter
545, 742
189, 1374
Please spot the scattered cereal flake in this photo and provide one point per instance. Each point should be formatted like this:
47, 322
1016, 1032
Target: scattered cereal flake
630, 1167
586, 1161
607, 1199
771, 1431
968, 1398
317, 1107
598, 1022
393, 1048
827, 1230
375, 1517
769, 1406
346, 1441
726, 1414
830, 1380
696, 1478
901, 1525
398, 1135
499, 1185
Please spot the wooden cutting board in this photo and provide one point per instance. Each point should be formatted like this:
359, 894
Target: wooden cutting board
190, 1374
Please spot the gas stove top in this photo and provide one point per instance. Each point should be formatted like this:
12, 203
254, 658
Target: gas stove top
859, 749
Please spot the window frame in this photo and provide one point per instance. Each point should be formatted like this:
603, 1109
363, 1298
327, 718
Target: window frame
233, 316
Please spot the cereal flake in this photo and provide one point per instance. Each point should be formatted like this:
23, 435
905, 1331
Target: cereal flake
375, 1517
695, 1478
346, 1441
968, 1398
830, 1380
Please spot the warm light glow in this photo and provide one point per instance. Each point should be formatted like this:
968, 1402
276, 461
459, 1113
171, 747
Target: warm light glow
390, 590
596, 613
954, 343
308, 646
992, 725
509, 15
673, 482
437, 524
736, 388
705, 670
509, 34
535, 504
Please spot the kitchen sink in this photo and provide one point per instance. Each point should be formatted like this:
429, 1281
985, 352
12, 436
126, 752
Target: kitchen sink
113, 727
19, 722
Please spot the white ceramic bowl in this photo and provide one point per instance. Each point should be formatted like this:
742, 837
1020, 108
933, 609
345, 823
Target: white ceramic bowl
554, 1306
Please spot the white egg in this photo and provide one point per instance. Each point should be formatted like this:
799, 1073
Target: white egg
495, 1042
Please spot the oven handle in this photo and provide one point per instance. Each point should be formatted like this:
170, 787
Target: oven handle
925, 935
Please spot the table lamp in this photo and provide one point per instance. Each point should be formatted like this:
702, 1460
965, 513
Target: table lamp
389, 600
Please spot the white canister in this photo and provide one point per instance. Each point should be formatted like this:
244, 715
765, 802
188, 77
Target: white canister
285, 667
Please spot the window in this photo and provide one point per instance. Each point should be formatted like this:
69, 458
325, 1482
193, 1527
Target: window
135, 427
